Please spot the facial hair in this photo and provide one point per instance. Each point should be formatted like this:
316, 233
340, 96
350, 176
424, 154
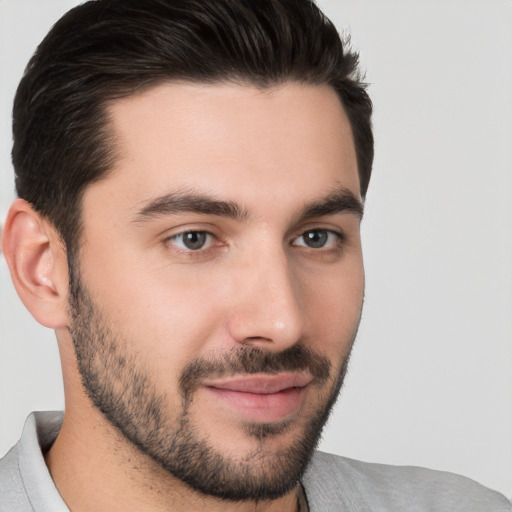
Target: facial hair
120, 386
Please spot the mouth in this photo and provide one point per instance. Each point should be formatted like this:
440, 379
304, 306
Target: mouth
261, 398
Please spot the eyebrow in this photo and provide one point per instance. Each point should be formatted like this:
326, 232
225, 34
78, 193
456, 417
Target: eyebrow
342, 200
183, 202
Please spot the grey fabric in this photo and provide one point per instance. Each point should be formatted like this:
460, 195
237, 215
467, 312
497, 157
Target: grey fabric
331, 483
336, 484
25, 482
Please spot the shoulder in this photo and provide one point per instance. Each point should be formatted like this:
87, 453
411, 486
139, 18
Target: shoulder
332, 481
13, 497
25, 482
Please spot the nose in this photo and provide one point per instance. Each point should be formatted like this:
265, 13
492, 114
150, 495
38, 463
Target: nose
267, 310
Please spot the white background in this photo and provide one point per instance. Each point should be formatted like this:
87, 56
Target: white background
431, 378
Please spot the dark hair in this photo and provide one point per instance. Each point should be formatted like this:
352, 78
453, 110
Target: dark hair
108, 49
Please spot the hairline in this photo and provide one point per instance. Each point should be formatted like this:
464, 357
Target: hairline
112, 140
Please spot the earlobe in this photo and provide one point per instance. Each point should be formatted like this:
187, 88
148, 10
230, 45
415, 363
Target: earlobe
37, 261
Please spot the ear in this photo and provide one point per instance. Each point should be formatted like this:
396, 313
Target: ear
37, 261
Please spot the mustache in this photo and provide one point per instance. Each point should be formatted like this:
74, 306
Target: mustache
249, 360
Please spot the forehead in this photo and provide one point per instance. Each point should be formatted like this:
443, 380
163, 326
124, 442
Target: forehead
232, 140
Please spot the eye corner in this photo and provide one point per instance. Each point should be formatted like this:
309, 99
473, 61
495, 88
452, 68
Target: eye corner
319, 238
191, 240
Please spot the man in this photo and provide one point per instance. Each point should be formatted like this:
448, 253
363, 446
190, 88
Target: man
191, 180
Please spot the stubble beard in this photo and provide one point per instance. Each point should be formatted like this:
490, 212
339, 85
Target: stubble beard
121, 388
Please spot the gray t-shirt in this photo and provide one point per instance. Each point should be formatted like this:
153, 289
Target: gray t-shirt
331, 483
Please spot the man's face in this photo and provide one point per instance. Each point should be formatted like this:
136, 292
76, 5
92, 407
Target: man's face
221, 281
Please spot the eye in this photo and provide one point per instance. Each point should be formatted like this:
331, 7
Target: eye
192, 240
318, 239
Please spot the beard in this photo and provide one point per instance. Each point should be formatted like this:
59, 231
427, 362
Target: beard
120, 385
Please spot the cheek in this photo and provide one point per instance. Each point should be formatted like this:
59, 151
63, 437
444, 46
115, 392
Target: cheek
333, 310
172, 327
161, 315
171, 313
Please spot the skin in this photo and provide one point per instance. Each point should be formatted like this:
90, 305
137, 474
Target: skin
255, 283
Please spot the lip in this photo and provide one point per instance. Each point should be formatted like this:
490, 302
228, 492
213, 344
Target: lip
259, 397
263, 384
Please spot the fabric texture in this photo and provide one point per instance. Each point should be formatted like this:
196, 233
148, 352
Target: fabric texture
331, 483
335, 484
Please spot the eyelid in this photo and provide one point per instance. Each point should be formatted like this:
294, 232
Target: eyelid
181, 235
171, 245
189, 227
337, 233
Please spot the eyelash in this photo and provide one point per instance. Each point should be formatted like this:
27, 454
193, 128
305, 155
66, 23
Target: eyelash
338, 235
195, 232
207, 235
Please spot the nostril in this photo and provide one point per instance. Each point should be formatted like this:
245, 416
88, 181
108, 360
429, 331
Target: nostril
254, 339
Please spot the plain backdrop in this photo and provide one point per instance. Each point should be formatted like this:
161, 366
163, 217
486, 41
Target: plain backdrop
430, 382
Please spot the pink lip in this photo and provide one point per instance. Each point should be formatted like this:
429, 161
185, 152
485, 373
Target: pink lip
261, 397
262, 384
